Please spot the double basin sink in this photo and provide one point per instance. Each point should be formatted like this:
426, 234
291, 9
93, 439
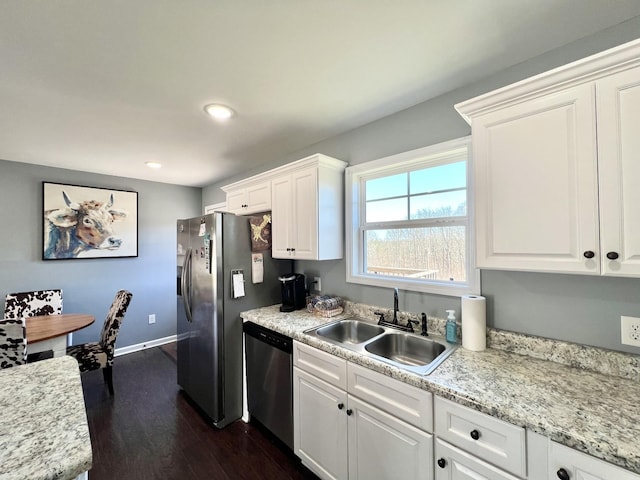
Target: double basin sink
407, 351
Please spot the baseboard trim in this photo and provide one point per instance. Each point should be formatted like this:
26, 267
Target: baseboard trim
142, 346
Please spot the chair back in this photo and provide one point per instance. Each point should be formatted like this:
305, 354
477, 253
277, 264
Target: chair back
13, 342
31, 304
113, 321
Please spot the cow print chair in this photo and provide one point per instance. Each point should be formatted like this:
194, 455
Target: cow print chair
99, 355
13, 342
31, 304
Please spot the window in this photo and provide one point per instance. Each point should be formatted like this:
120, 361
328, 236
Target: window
409, 221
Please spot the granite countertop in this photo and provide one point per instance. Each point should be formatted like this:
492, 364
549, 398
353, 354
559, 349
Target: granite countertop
43, 432
592, 412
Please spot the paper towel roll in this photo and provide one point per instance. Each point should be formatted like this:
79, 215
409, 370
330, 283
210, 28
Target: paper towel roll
474, 322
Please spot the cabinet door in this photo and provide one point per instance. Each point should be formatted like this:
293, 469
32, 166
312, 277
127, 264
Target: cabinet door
455, 464
252, 199
535, 192
305, 214
580, 466
320, 425
236, 201
281, 217
383, 447
258, 198
619, 171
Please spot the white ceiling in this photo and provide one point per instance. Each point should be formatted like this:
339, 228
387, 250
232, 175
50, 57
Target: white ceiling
105, 85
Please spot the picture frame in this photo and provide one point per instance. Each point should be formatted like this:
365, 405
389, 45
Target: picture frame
82, 222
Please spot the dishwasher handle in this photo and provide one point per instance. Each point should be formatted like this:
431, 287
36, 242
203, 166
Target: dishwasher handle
274, 339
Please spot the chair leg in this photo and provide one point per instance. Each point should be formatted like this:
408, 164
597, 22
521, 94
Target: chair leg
107, 373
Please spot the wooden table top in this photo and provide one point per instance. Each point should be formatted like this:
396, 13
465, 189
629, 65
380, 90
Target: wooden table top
44, 327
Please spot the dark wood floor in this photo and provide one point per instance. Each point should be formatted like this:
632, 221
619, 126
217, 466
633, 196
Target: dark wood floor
149, 430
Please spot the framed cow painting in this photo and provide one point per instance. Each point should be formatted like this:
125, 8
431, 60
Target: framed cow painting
88, 222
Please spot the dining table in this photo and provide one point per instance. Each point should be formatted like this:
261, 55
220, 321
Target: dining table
49, 332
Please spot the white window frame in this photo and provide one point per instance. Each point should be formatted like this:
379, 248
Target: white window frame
354, 207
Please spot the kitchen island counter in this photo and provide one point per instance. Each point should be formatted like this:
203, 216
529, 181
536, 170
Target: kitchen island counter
44, 432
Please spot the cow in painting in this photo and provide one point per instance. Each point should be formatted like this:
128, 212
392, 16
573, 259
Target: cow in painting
81, 227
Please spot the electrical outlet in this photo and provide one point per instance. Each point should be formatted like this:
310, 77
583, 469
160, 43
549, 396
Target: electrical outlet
152, 318
317, 284
630, 329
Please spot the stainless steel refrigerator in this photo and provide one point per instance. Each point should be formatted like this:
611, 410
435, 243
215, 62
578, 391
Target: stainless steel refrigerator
213, 251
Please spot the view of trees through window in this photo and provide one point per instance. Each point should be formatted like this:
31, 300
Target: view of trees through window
416, 224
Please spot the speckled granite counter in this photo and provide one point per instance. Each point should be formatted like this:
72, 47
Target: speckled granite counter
591, 412
43, 431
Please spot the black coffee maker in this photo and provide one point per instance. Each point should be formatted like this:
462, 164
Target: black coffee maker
293, 292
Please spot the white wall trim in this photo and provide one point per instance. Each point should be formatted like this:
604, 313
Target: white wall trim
142, 346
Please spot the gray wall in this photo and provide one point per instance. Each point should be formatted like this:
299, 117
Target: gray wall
89, 285
569, 307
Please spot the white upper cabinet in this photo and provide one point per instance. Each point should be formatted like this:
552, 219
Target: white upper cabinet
554, 168
535, 172
306, 199
619, 171
247, 198
308, 209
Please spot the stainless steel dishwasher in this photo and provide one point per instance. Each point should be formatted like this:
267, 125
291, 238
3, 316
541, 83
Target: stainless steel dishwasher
269, 380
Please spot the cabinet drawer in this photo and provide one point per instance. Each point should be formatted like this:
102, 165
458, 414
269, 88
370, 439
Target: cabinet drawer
403, 401
323, 365
497, 442
453, 463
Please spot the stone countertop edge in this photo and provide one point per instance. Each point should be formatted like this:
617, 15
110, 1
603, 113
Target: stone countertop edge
592, 412
44, 432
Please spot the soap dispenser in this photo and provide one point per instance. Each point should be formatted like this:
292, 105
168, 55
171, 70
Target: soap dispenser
451, 328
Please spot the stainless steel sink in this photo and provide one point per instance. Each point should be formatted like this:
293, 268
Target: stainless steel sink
408, 351
350, 331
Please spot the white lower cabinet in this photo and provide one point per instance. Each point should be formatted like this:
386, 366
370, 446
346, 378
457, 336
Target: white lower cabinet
320, 425
340, 436
568, 464
353, 423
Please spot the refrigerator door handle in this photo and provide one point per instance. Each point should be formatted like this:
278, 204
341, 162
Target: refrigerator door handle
185, 285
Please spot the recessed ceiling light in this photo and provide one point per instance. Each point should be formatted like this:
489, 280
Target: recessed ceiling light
153, 164
219, 112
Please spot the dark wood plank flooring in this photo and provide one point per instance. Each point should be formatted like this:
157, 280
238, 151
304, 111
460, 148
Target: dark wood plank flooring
150, 430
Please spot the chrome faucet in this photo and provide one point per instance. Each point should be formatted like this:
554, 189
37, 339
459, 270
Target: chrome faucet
395, 305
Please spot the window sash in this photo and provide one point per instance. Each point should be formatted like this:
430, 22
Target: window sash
363, 266
424, 164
